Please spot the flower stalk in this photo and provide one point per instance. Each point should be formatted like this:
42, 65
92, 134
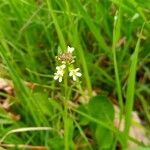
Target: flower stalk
65, 70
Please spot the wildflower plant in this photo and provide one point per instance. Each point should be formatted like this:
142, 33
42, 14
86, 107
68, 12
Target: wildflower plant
66, 61
65, 69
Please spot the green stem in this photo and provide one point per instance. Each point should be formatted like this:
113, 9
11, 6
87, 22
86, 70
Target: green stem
66, 113
116, 36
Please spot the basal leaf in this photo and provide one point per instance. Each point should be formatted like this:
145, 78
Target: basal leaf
101, 108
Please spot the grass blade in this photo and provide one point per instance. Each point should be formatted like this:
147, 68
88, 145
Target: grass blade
131, 89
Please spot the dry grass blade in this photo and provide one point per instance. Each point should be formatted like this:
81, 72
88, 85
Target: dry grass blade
20, 146
25, 130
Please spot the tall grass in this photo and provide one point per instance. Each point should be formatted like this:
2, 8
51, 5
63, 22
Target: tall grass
33, 32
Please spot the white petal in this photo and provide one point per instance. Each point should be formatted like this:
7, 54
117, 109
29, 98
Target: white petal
72, 61
60, 72
55, 77
78, 74
77, 69
74, 78
60, 79
70, 73
70, 49
55, 74
58, 67
63, 66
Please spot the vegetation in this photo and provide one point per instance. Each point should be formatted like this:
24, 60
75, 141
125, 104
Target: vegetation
112, 49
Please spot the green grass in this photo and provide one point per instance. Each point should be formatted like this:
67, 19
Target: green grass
114, 59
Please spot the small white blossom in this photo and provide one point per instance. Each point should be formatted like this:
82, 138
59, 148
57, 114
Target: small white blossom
60, 68
75, 73
70, 49
60, 72
58, 75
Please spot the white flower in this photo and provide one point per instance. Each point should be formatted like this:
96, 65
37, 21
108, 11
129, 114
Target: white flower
60, 72
60, 68
58, 75
75, 73
70, 49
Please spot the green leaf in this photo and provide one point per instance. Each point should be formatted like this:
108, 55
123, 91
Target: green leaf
104, 137
56, 143
42, 102
83, 121
101, 108
131, 88
70, 128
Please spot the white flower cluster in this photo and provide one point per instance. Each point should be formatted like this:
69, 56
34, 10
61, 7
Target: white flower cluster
66, 63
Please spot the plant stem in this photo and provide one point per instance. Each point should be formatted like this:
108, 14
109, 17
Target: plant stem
116, 36
66, 112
